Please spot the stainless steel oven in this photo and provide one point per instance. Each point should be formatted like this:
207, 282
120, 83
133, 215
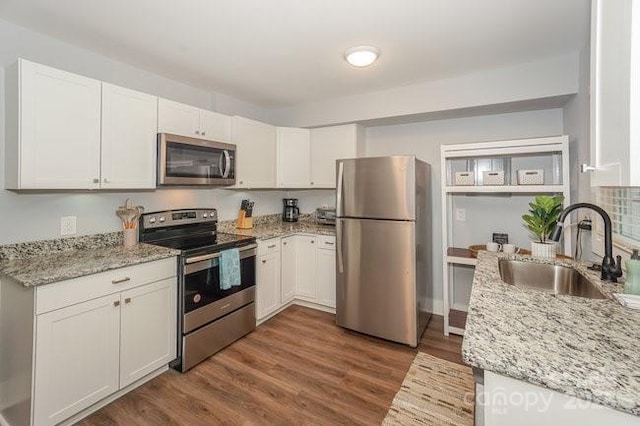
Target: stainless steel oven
190, 161
209, 317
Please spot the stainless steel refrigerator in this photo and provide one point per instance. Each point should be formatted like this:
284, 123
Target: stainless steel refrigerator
383, 254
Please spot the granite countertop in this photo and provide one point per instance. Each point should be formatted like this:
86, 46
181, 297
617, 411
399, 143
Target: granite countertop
273, 226
44, 262
586, 348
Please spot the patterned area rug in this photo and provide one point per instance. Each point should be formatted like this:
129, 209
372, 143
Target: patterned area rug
434, 392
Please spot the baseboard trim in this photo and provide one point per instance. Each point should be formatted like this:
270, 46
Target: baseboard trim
298, 302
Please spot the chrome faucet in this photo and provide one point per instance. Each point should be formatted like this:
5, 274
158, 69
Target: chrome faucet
611, 270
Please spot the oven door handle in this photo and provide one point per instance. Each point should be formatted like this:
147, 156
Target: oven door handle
210, 256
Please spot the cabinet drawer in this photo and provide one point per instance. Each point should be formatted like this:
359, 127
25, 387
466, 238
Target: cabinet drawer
327, 242
65, 293
268, 246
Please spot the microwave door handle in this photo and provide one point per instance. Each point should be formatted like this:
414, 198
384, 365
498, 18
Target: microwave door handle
227, 164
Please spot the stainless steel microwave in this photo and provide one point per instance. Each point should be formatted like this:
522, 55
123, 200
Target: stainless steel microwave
195, 162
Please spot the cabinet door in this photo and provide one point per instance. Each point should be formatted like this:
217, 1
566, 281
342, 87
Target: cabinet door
289, 269
306, 287
129, 126
178, 119
329, 144
76, 362
214, 126
294, 152
615, 68
326, 277
256, 153
147, 329
59, 129
268, 284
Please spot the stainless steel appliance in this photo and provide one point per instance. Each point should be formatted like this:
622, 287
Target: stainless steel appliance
191, 161
209, 317
383, 253
325, 216
290, 210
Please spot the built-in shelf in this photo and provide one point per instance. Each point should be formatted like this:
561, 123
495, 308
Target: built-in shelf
461, 256
470, 163
521, 189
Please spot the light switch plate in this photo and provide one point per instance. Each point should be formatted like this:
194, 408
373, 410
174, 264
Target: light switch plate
461, 215
68, 225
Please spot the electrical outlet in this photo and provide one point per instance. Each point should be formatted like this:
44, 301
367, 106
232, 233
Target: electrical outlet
68, 225
461, 215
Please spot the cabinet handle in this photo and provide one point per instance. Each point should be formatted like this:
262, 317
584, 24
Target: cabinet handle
241, 182
105, 180
272, 246
96, 180
116, 303
203, 133
328, 243
121, 280
197, 132
311, 183
264, 260
284, 243
127, 300
312, 241
584, 168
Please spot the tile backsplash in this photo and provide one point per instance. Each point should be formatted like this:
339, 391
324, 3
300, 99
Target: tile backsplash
623, 205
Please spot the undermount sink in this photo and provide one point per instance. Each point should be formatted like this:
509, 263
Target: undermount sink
551, 278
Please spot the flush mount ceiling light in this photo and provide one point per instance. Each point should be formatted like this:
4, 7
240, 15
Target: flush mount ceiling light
361, 56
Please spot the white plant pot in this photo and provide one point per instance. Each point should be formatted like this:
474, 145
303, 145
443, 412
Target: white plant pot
543, 249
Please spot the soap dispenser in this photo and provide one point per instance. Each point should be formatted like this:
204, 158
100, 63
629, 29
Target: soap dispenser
632, 283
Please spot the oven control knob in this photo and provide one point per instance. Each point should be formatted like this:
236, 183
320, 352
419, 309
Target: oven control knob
152, 220
205, 216
161, 219
197, 298
211, 215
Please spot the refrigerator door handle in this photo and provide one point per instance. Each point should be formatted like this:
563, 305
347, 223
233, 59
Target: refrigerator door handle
339, 246
339, 189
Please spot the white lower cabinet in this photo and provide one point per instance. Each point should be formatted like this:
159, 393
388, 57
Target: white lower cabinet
306, 287
297, 267
147, 329
77, 358
326, 276
289, 260
268, 278
121, 330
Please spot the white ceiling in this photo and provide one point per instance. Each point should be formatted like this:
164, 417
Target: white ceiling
285, 52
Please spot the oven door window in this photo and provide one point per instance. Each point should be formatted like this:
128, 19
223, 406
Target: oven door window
202, 286
192, 161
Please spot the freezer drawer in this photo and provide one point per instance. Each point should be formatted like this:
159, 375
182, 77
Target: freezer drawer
377, 188
376, 278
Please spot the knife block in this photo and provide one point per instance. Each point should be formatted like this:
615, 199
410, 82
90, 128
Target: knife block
243, 221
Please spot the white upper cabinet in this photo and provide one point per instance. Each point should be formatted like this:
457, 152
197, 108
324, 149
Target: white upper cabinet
615, 93
294, 151
53, 129
329, 144
129, 123
214, 126
187, 120
178, 119
255, 153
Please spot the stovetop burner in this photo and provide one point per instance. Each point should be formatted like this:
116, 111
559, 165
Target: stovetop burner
192, 231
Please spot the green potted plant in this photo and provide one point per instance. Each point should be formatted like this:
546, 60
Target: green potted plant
540, 221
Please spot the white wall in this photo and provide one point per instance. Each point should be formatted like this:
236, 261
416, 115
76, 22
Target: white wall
424, 140
25, 217
548, 78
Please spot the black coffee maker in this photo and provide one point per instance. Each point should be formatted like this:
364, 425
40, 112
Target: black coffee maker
290, 210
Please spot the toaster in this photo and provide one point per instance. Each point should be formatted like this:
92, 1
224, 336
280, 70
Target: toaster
326, 216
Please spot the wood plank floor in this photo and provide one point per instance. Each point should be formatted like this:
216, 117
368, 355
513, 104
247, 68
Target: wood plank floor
297, 368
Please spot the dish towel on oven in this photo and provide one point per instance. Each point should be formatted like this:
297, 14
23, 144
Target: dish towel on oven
229, 269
